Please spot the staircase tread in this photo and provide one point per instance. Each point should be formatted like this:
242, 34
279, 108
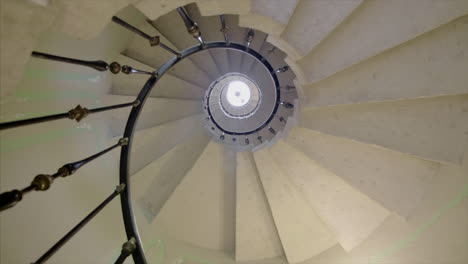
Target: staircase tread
303, 234
370, 169
199, 210
256, 234
383, 78
417, 134
374, 27
351, 215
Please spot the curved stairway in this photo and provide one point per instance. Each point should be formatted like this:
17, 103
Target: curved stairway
371, 167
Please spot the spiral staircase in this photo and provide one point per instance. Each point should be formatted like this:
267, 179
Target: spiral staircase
351, 146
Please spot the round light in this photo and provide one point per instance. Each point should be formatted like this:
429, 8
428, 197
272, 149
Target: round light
238, 93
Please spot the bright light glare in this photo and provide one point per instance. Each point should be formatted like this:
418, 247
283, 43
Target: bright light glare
238, 93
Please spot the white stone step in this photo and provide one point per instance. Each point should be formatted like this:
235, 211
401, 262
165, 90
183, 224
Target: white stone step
215, 7
210, 27
257, 43
351, 215
312, 21
236, 35
302, 232
416, 69
374, 27
165, 174
172, 27
140, 49
221, 58
235, 58
201, 211
155, 9
256, 234
235, 31
431, 128
397, 181
430, 235
150, 144
168, 86
269, 16
275, 57
156, 111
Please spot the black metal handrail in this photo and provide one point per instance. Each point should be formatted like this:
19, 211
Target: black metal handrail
42, 182
129, 219
80, 225
274, 76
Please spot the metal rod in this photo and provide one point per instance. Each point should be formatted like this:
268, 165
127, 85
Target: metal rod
272, 50
97, 65
281, 69
42, 182
74, 166
129, 70
249, 38
162, 45
127, 249
192, 27
288, 88
80, 225
154, 41
188, 21
224, 29
286, 104
78, 113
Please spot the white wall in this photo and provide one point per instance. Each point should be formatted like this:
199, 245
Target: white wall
37, 222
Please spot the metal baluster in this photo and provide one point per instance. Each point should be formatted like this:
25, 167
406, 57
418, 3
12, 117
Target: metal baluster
288, 88
98, 65
154, 41
272, 130
286, 104
129, 70
249, 38
42, 182
80, 225
127, 249
272, 50
192, 27
78, 113
281, 69
224, 29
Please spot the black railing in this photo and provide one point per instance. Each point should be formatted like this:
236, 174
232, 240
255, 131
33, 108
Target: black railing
192, 27
43, 182
154, 41
77, 113
80, 225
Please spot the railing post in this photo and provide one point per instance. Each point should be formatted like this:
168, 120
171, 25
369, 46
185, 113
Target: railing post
98, 65
224, 29
281, 69
80, 225
42, 182
77, 113
127, 249
249, 38
286, 104
192, 27
154, 41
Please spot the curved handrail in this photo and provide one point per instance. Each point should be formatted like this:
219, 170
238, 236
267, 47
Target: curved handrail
125, 197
